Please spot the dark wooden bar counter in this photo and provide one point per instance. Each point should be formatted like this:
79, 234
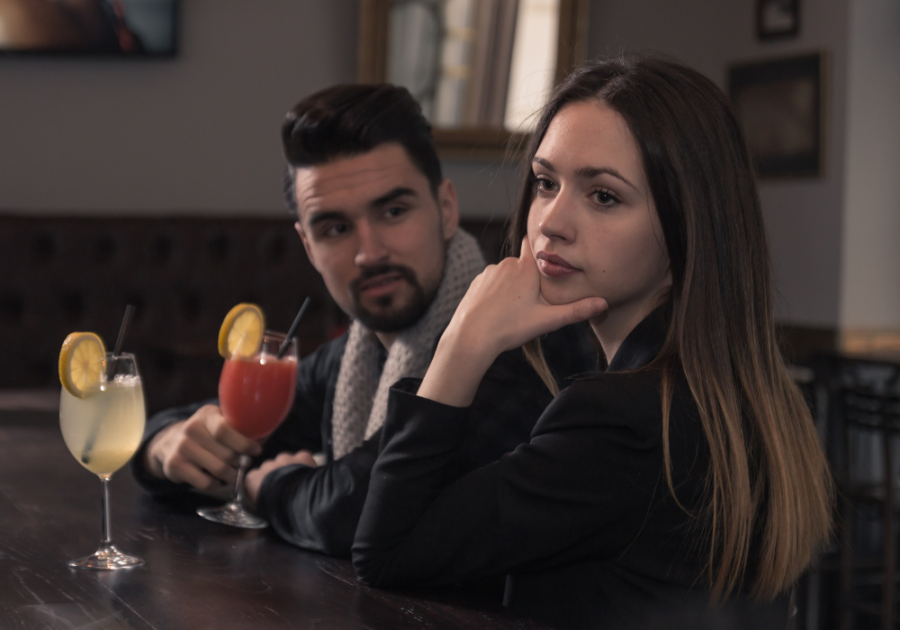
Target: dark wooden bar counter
197, 574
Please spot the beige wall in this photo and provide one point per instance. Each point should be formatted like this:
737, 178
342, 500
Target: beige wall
195, 134
804, 216
199, 134
870, 279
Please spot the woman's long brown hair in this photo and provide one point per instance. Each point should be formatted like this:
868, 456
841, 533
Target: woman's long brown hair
768, 480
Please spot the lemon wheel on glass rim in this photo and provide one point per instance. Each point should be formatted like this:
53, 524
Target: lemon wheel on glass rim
242, 331
81, 363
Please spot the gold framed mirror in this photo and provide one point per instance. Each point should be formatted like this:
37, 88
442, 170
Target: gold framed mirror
479, 68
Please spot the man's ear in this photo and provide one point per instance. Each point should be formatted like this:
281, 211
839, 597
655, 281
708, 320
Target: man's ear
299, 227
449, 206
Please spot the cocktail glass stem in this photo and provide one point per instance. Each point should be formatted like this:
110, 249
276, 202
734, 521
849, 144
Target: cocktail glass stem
105, 528
233, 513
107, 556
237, 495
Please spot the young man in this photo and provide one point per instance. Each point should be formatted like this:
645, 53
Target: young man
380, 224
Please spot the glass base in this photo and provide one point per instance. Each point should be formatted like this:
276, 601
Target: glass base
233, 514
107, 558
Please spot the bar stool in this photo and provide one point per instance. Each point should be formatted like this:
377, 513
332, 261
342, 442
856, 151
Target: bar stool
865, 411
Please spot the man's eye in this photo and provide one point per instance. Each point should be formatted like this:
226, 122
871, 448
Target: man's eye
335, 230
393, 213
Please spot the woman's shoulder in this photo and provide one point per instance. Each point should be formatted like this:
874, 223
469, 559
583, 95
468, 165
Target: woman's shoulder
628, 400
615, 391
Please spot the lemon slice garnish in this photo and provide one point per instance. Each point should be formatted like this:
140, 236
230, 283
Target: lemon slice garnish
81, 363
242, 331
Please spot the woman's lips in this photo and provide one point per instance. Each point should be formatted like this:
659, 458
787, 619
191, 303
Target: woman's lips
554, 266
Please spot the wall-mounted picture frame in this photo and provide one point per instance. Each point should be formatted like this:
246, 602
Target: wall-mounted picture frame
781, 106
385, 33
107, 28
777, 18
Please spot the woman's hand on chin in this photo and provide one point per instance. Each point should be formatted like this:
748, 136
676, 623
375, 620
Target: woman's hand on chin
502, 310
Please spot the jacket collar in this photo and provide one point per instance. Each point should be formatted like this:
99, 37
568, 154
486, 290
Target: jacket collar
643, 343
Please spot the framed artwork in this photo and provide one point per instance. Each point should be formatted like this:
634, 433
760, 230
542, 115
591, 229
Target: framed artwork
126, 28
780, 105
777, 18
466, 61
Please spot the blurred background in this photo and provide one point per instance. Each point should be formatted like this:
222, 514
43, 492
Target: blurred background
155, 179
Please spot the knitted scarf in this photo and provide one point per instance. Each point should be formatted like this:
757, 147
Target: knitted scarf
361, 393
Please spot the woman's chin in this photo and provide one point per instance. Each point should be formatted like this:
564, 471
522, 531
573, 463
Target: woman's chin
555, 295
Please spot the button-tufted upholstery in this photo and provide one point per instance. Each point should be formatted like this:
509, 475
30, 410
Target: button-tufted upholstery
62, 274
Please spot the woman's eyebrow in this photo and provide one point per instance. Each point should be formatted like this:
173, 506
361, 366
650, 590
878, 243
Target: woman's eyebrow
588, 172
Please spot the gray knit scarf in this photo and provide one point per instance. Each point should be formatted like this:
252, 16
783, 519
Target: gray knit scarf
360, 401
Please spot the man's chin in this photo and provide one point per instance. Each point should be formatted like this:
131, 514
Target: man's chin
393, 312
391, 318
389, 321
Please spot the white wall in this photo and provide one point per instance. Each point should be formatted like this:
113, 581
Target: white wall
196, 134
870, 280
804, 216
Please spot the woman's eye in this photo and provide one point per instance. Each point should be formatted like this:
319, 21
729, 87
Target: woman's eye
605, 198
545, 185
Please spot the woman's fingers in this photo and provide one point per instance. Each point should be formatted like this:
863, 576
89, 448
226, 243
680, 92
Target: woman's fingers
565, 314
504, 308
525, 250
527, 262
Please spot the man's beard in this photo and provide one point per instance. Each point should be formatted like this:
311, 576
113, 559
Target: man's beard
391, 319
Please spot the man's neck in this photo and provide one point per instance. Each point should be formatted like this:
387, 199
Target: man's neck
387, 339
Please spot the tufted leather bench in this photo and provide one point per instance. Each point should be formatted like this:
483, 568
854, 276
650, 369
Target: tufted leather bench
62, 274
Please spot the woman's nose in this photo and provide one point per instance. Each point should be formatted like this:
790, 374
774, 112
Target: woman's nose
556, 218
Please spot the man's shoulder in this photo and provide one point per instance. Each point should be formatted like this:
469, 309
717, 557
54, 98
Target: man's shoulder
327, 357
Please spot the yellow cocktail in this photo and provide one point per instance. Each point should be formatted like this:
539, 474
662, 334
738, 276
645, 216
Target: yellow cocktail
101, 415
104, 429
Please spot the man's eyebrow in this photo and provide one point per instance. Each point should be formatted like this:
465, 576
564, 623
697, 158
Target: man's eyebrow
319, 216
588, 172
391, 195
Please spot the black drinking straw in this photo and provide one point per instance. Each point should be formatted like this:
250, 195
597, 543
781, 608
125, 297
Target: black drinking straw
293, 329
129, 311
95, 429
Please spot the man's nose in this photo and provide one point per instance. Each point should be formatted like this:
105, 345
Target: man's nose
371, 249
556, 218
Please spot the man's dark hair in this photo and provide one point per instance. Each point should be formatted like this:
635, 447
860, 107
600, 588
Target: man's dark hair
352, 119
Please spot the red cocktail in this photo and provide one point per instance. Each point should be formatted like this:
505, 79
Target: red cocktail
255, 394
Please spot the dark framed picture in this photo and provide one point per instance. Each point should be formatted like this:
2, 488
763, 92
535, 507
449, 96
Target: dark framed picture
777, 18
780, 104
127, 28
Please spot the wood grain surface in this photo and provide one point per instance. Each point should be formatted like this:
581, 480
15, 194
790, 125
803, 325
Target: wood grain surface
198, 574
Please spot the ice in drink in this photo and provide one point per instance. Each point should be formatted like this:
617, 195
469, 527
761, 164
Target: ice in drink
104, 429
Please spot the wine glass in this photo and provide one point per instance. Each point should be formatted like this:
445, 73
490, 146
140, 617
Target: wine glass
255, 395
103, 430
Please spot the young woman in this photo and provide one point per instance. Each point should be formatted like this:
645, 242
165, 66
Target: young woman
689, 471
